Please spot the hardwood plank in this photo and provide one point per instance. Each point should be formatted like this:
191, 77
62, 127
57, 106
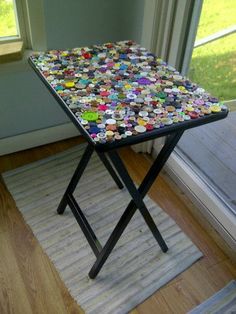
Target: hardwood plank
196, 285
14, 160
179, 298
27, 268
30, 283
225, 270
13, 295
155, 304
184, 295
206, 226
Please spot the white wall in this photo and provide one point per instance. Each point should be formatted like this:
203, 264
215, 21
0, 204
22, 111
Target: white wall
25, 103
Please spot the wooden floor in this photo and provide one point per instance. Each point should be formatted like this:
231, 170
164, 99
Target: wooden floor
29, 282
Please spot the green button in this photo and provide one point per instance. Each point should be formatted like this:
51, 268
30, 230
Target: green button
161, 95
90, 116
121, 96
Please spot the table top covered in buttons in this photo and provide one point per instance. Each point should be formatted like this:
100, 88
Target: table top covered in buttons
119, 90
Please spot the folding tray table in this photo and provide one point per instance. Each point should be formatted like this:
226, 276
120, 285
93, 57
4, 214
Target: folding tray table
119, 94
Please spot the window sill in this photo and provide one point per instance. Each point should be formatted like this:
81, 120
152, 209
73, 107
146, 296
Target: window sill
11, 51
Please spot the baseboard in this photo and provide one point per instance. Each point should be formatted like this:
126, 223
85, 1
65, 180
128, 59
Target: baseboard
16, 143
210, 206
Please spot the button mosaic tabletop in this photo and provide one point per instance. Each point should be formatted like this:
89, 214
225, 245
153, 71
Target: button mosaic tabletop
120, 90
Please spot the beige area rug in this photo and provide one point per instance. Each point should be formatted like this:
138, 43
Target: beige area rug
136, 268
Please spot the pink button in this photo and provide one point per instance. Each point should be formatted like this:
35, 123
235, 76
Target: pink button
105, 93
102, 107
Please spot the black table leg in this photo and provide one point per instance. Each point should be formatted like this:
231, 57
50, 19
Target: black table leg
75, 178
69, 199
113, 174
84, 225
131, 208
137, 198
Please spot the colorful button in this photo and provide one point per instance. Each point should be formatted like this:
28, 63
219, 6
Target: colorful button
111, 121
166, 121
128, 133
140, 128
90, 116
193, 114
69, 84
215, 109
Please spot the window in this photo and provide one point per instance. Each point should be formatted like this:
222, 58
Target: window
9, 27
14, 30
14, 23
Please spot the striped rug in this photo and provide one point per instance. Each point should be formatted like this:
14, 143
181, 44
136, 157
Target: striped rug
135, 269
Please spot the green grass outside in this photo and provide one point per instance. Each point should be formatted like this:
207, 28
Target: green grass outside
7, 19
216, 15
213, 65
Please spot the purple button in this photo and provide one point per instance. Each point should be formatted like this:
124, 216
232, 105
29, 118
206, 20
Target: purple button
103, 70
199, 102
144, 81
213, 99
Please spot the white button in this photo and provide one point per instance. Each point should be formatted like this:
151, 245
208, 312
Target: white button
131, 96
101, 126
140, 128
157, 111
128, 133
110, 121
143, 113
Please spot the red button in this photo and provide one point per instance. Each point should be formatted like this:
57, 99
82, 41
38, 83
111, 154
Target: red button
149, 127
87, 55
193, 114
105, 93
102, 107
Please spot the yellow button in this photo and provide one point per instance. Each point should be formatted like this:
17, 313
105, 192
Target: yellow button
127, 86
69, 84
182, 88
109, 133
189, 108
170, 108
215, 109
166, 121
141, 122
175, 119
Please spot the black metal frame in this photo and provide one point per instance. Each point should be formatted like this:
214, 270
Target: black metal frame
173, 133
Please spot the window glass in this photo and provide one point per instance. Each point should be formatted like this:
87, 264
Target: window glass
213, 63
8, 19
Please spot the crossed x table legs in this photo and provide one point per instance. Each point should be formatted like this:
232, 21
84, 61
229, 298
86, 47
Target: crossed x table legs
136, 203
